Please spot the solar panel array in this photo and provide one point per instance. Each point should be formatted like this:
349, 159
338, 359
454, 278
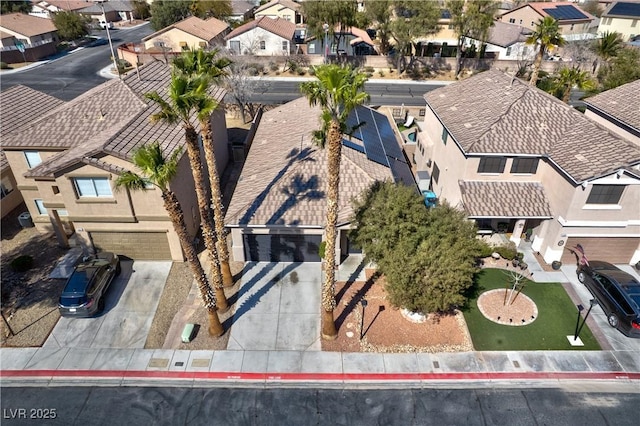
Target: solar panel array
565, 12
625, 9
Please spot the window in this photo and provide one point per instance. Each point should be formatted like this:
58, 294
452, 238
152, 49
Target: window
263, 45
525, 50
33, 158
605, 194
234, 46
311, 48
5, 187
286, 17
40, 206
571, 29
92, 187
203, 44
285, 45
512, 20
62, 212
445, 135
422, 112
524, 166
491, 165
509, 51
183, 45
435, 175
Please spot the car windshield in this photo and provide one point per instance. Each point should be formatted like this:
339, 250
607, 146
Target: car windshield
634, 293
73, 300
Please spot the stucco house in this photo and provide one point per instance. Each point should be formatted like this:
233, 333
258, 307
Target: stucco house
278, 209
622, 17
263, 37
574, 23
189, 33
66, 161
350, 41
507, 42
242, 10
288, 10
25, 37
15, 101
521, 162
44, 9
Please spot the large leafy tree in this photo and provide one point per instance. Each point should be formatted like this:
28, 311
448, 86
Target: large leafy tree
156, 169
167, 12
568, 78
470, 18
204, 9
546, 35
622, 69
15, 6
427, 255
70, 25
211, 67
141, 9
336, 14
337, 90
413, 20
379, 14
186, 96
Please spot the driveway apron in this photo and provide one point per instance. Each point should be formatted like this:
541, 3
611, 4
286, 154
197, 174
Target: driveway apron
278, 308
131, 303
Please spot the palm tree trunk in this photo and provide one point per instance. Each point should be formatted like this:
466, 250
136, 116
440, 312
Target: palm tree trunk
216, 201
205, 216
334, 149
536, 67
459, 57
172, 205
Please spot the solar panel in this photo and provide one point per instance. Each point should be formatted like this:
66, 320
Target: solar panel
353, 145
565, 12
387, 136
625, 9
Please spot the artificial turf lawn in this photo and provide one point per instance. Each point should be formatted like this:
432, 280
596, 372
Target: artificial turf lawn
556, 319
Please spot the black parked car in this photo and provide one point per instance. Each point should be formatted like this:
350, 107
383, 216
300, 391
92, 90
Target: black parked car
617, 292
84, 292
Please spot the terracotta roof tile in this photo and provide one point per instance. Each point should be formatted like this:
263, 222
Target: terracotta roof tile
27, 25
504, 199
504, 35
69, 4
20, 105
493, 113
622, 103
205, 30
280, 27
283, 179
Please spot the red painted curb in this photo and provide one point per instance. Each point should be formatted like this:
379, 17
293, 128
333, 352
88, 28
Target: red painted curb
321, 377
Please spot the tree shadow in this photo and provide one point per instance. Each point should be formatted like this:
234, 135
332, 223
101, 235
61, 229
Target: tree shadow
355, 300
297, 190
352, 278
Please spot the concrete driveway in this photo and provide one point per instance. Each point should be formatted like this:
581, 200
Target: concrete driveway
130, 305
617, 340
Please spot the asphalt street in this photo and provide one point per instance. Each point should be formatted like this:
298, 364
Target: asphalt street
220, 406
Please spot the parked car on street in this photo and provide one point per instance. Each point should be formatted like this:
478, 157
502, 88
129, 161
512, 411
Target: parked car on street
105, 25
617, 292
85, 290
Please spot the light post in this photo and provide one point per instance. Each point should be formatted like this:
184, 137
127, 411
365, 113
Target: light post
363, 302
106, 26
592, 303
325, 27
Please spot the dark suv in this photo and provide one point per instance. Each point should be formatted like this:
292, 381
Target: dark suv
84, 292
617, 292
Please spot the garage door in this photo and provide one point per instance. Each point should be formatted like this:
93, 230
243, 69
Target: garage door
614, 250
135, 245
282, 248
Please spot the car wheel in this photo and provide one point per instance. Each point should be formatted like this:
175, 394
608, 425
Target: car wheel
582, 276
613, 320
101, 305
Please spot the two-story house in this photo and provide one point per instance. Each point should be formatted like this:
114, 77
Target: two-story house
26, 38
190, 33
66, 161
622, 17
263, 37
520, 161
573, 22
288, 10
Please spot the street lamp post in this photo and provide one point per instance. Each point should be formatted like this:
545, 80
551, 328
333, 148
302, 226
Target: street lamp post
106, 26
325, 27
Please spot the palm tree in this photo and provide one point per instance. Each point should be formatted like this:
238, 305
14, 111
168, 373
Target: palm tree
158, 170
547, 34
568, 78
187, 95
206, 64
607, 47
338, 90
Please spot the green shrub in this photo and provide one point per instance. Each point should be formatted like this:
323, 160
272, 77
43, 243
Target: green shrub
22, 263
508, 251
4, 66
273, 66
485, 249
301, 71
312, 71
369, 69
381, 73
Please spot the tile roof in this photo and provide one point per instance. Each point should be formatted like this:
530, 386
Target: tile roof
549, 9
493, 113
205, 30
622, 103
27, 25
623, 9
284, 3
504, 35
68, 4
240, 7
504, 199
21, 104
280, 27
4, 163
111, 119
283, 179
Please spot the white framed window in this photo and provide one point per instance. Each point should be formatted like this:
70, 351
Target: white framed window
285, 45
263, 45
5, 187
311, 48
92, 187
33, 158
62, 212
40, 206
509, 51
